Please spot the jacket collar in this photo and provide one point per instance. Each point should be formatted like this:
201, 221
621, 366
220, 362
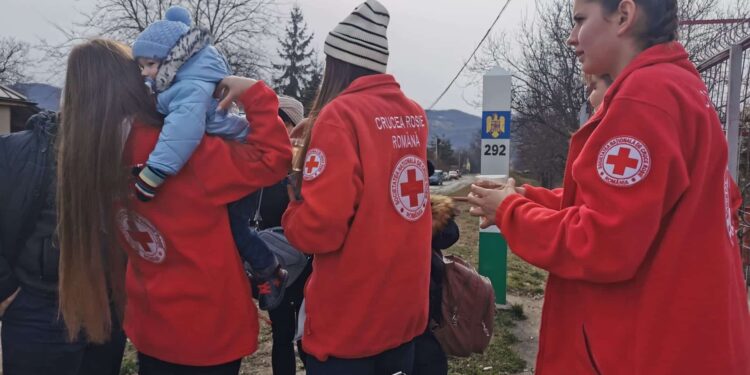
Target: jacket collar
372, 81
665, 53
187, 46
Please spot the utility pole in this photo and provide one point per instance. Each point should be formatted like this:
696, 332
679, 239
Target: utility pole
437, 152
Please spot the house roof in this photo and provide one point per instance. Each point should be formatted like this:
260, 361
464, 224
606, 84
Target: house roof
12, 97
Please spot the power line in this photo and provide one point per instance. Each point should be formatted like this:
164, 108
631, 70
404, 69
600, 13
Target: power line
472, 55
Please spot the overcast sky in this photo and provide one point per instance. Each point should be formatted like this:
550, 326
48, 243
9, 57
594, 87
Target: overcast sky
428, 39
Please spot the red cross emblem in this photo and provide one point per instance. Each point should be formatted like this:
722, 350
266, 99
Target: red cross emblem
315, 164
409, 187
623, 161
141, 236
412, 187
311, 164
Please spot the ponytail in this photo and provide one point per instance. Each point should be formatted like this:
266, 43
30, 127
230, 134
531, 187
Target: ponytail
662, 19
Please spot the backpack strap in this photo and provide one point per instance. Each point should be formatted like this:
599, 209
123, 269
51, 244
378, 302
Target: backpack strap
257, 218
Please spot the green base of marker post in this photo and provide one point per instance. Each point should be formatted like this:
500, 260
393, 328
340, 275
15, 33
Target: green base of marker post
493, 262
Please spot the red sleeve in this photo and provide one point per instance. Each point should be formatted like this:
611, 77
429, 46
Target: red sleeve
319, 222
546, 197
607, 235
230, 170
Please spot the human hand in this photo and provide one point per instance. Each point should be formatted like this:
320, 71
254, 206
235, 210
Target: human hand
8, 301
230, 89
485, 201
487, 184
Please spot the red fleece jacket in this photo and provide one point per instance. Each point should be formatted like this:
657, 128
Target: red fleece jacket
189, 300
366, 215
645, 274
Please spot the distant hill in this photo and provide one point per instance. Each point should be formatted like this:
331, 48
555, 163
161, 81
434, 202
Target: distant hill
46, 96
460, 127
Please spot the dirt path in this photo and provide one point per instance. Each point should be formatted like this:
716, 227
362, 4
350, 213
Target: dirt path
527, 331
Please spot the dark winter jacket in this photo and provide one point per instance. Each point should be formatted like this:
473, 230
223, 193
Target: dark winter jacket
445, 233
28, 255
274, 202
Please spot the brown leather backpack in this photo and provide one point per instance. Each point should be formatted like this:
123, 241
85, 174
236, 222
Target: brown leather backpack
468, 309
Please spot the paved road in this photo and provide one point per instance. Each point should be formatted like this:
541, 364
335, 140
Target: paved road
451, 187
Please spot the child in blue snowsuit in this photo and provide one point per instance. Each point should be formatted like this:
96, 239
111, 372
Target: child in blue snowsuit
183, 69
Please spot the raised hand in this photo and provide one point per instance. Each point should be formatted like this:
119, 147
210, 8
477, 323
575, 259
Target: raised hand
485, 201
230, 89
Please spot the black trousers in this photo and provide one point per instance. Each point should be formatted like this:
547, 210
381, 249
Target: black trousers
429, 357
394, 361
152, 366
284, 326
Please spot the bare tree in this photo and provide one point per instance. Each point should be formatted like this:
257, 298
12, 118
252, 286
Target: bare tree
14, 60
440, 151
703, 41
548, 91
239, 27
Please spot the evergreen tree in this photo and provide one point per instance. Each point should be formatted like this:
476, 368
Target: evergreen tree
295, 52
312, 85
444, 158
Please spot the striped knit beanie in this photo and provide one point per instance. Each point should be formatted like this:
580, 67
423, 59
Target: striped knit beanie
292, 108
360, 39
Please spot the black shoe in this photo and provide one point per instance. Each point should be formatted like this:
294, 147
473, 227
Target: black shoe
271, 290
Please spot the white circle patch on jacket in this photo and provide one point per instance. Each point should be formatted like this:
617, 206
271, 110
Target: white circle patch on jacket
410, 187
623, 161
315, 164
142, 236
728, 207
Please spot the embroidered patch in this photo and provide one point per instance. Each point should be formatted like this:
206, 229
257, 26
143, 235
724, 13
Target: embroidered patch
315, 164
142, 236
623, 161
410, 187
728, 208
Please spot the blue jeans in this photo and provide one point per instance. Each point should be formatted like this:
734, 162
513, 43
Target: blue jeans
35, 342
252, 249
389, 362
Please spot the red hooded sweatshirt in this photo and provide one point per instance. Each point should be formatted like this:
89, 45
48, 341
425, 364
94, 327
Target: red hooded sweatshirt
644, 265
189, 300
366, 216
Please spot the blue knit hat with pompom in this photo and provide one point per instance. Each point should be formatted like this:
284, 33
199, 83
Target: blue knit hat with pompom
159, 37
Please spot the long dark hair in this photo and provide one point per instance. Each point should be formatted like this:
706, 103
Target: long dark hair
338, 75
662, 19
103, 92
